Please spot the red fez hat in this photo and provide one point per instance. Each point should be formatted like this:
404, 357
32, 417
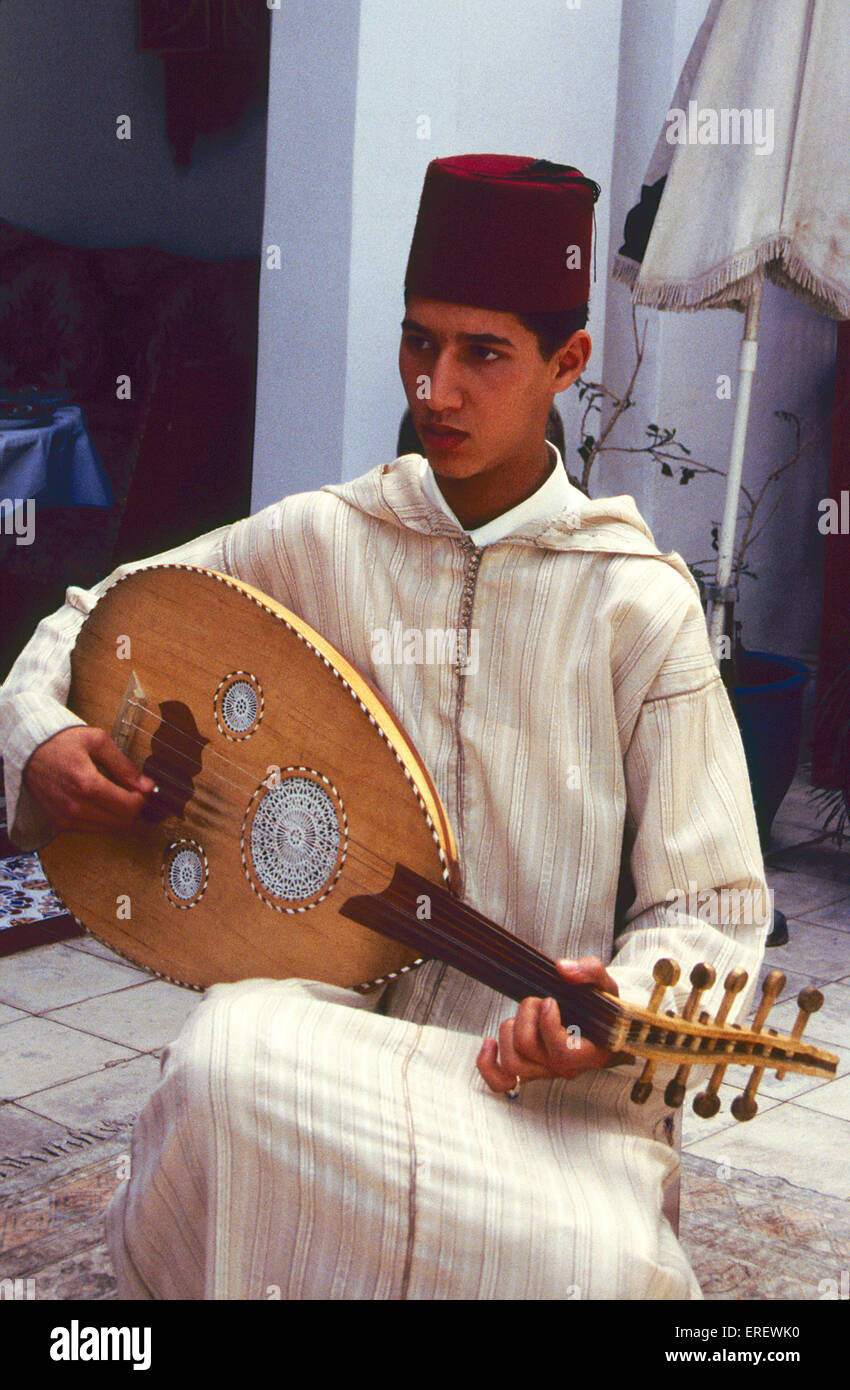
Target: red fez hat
504, 232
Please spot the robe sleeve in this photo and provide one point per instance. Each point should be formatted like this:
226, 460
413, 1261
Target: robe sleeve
695, 862
33, 697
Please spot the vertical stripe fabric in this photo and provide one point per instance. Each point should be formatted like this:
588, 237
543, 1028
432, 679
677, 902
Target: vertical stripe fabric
305, 1142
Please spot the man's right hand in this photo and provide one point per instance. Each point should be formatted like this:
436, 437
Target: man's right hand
82, 781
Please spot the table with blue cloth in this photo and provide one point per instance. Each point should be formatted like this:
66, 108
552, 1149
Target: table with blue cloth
54, 462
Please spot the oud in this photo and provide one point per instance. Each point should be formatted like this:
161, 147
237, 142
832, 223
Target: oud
295, 832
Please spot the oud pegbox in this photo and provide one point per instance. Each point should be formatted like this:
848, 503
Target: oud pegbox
757, 1046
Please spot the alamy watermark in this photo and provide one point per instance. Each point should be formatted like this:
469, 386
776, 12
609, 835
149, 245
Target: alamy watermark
17, 1290
17, 518
834, 517
835, 1288
430, 646
720, 907
79, 1342
725, 125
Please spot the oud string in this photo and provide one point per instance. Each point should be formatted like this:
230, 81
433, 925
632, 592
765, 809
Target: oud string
358, 856
249, 779
527, 956
368, 858
457, 934
151, 734
200, 743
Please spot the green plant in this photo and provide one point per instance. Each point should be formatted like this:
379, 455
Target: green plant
662, 446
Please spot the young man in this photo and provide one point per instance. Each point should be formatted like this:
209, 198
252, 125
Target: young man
305, 1141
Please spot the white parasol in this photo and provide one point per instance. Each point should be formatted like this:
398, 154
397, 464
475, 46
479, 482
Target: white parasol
750, 178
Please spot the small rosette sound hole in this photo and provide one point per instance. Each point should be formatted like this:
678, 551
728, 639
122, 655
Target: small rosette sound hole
238, 705
185, 872
293, 840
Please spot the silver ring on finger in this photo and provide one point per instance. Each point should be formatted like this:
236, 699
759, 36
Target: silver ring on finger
514, 1091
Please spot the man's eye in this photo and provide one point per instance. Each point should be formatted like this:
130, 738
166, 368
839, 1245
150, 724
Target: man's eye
417, 344
486, 354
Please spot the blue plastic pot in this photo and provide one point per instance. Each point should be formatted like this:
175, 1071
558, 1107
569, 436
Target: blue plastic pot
769, 700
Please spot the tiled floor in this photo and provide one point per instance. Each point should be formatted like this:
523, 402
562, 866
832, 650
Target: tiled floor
81, 1031
802, 1130
80, 1034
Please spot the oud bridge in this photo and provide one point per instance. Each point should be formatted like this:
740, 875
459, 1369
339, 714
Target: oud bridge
294, 833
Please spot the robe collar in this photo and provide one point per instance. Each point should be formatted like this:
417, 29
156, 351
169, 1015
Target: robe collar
394, 494
551, 497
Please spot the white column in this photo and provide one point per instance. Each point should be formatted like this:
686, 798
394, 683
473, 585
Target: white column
362, 97
304, 303
459, 77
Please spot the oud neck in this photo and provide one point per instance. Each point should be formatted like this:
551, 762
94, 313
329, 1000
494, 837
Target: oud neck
429, 919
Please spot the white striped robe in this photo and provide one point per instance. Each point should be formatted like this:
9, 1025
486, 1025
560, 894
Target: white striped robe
301, 1143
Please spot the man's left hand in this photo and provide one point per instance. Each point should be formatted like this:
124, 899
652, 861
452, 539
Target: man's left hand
536, 1044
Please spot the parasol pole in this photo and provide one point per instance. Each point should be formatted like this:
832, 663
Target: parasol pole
722, 593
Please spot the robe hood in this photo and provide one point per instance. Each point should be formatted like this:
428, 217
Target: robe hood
393, 493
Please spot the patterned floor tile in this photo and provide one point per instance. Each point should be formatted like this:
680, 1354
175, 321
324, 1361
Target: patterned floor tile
757, 1238
54, 1235
25, 895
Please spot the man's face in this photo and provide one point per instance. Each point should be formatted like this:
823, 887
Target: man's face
478, 388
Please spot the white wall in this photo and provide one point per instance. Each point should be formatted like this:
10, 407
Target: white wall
678, 381
490, 75
68, 68
304, 303
553, 79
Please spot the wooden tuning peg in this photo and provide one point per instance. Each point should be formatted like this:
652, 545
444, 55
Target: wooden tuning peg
665, 973
702, 978
745, 1106
707, 1103
809, 1000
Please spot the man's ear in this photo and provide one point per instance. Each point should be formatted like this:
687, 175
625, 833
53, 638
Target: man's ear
571, 359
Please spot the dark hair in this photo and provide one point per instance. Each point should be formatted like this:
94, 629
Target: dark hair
553, 330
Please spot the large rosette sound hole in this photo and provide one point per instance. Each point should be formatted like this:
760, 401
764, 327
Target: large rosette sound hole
293, 839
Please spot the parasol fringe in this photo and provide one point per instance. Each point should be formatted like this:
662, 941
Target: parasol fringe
795, 275
734, 280
625, 269
731, 284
